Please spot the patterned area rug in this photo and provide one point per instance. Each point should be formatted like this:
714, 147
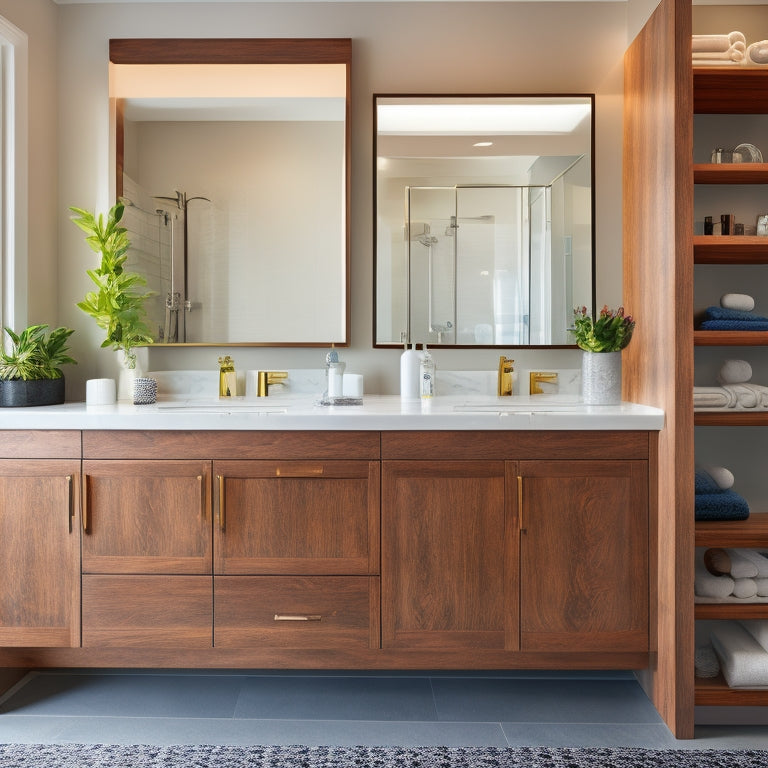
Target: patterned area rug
109, 756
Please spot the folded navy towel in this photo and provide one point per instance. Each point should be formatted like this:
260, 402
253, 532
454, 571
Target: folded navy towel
721, 313
723, 505
735, 325
704, 483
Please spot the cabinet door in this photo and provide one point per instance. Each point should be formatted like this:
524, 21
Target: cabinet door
147, 517
297, 517
39, 553
448, 573
584, 556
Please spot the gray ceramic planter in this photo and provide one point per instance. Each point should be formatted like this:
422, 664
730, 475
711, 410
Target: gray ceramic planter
16, 393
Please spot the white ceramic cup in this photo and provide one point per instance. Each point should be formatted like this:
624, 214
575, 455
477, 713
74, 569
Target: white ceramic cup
100, 392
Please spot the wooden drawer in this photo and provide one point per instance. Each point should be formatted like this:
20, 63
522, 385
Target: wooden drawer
296, 612
296, 518
147, 611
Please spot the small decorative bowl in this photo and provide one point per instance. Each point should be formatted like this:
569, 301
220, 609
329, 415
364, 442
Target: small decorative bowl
144, 391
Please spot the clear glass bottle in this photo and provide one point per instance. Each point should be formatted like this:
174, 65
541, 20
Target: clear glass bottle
427, 375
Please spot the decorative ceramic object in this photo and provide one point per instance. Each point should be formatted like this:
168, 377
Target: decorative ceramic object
144, 391
601, 378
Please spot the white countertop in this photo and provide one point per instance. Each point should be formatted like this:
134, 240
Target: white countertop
378, 412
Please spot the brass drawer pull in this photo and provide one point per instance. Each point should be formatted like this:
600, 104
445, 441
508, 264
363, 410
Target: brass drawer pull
222, 504
201, 485
70, 502
520, 503
300, 471
298, 617
86, 486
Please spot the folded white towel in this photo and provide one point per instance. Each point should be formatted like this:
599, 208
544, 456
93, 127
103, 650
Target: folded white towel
716, 42
743, 660
736, 53
723, 477
734, 372
706, 584
744, 589
760, 562
758, 628
741, 566
711, 397
739, 301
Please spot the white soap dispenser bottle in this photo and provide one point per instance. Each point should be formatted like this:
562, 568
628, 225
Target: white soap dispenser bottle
409, 373
427, 375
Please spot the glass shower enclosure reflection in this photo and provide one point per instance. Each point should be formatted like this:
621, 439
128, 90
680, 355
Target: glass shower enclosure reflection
505, 247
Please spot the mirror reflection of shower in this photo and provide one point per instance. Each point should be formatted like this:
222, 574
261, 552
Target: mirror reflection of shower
165, 233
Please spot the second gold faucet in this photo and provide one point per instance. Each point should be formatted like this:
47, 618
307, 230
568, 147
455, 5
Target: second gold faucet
506, 367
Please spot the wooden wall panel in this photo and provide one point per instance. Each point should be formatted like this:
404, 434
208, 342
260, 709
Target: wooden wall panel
658, 291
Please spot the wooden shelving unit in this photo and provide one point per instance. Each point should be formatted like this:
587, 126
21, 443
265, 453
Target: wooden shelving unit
730, 91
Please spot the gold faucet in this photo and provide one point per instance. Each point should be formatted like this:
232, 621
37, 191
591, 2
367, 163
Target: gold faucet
505, 376
265, 378
537, 378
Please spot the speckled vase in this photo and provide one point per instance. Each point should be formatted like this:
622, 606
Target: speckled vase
601, 378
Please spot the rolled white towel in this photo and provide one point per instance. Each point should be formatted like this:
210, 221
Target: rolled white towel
743, 660
741, 567
716, 42
734, 372
758, 629
757, 53
760, 562
744, 589
739, 301
762, 586
723, 477
736, 53
706, 584
713, 397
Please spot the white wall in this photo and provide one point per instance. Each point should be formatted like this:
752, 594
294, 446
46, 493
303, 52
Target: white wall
37, 19
397, 48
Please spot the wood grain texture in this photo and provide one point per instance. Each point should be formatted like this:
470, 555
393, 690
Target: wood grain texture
730, 173
730, 249
714, 692
514, 445
147, 517
39, 553
39, 444
448, 564
584, 556
658, 291
147, 611
258, 444
752, 532
729, 91
730, 338
246, 606
297, 517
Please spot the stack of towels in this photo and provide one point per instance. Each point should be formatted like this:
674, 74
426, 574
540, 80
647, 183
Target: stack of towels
714, 497
735, 390
722, 574
734, 314
742, 649
719, 49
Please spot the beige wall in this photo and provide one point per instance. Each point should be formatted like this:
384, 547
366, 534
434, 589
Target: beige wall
398, 47
37, 19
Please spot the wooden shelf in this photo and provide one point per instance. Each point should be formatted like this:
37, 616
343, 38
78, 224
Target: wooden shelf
730, 611
730, 338
714, 692
730, 249
752, 532
729, 418
730, 90
730, 173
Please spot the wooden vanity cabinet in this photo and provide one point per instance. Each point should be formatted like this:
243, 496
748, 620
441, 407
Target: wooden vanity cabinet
147, 553
583, 555
296, 556
39, 539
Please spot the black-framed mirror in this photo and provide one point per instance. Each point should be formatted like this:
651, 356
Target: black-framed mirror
233, 158
483, 218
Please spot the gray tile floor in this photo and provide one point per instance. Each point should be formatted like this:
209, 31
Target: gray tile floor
408, 709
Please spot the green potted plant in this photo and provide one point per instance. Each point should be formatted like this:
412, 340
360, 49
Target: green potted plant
602, 340
116, 305
30, 372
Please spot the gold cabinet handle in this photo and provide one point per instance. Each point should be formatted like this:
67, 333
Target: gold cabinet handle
222, 504
298, 617
520, 502
202, 496
70, 502
300, 471
86, 485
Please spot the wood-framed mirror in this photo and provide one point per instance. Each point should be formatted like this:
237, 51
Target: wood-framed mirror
233, 159
483, 218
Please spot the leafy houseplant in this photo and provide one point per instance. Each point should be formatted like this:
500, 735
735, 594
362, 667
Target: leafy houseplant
30, 372
611, 332
116, 305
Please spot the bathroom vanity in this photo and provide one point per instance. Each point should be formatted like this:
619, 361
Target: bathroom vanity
381, 536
